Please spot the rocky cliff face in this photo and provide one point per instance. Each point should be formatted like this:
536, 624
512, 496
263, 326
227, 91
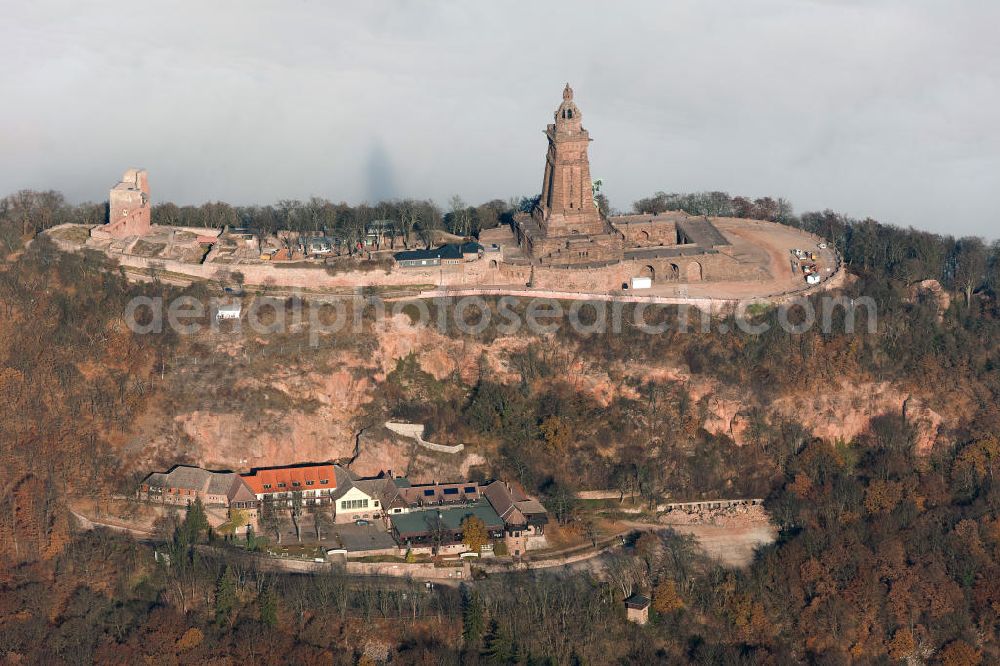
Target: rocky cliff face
307, 409
839, 412
311, 408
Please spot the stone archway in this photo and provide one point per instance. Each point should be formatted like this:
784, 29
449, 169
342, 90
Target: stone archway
643, 236
493, 263
675, 272
694, 272
648, 271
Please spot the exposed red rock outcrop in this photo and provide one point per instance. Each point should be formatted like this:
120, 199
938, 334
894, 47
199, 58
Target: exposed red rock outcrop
932, 289
319, 403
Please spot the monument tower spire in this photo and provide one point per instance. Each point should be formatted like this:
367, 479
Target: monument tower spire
565, 228
567, 203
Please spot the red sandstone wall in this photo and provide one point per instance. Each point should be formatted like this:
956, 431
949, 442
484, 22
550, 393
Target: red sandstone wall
594, 249
647, 234
675, 269
129, 209
135, 223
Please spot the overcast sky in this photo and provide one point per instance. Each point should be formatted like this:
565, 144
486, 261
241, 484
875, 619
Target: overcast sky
881, 108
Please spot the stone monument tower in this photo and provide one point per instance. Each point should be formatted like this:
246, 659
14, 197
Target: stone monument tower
565, 228
567, 203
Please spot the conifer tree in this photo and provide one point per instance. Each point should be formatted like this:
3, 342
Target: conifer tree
268, 605
497, 648
225, 596
195, 520
472, 617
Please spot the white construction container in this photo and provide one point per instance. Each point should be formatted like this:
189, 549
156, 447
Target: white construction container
642, 282
228, 311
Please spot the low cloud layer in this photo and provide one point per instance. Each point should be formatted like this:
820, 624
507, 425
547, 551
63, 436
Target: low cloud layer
883, 108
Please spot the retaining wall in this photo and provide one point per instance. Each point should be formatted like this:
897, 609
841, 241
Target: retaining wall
419, 571
415, 431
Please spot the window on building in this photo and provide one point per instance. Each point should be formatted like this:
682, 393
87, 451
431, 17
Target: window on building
309, 483
451, 491
295, 484
429, 492
281, 485
348, 505
470, 490
267, 486
323, 482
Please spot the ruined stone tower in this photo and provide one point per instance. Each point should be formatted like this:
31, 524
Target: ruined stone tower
128, 206
567, 203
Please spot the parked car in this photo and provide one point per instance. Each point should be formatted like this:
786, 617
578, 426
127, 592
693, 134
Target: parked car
822, 246
361, 522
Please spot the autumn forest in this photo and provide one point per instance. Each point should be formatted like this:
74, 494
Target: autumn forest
885, 554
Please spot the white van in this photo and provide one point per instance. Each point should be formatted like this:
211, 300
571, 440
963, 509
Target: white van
642, 282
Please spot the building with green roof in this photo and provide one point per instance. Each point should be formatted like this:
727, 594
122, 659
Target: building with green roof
443, 525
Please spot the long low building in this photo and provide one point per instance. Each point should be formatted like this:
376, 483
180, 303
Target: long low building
453, 253
443, 524
433, 494
323, 484
424, 514
314, 484
182, 484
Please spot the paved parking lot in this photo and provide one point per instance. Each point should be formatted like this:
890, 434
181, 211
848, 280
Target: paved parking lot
363, 537
351, 536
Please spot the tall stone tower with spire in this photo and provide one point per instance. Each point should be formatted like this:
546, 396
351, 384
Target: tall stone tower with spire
567, 203
566, 227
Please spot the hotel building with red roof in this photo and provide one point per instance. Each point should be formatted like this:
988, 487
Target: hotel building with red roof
317, 483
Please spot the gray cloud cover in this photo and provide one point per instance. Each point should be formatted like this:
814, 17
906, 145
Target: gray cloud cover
884, 108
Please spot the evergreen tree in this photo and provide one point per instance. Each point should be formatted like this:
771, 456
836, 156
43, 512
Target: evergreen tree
195, 521
472, 617
497, 648
268, 607
516, 656
251, 539
181, 542
225, 596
